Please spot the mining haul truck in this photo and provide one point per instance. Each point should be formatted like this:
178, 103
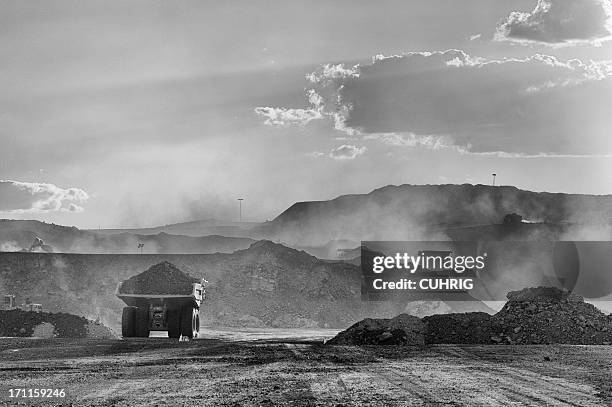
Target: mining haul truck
177, 314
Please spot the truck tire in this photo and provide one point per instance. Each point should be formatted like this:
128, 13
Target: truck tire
196, 313
188, 322
127, 322
141, 323
174, 323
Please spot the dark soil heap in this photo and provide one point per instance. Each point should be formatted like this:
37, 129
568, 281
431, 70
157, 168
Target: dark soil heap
542, 315
470, 327
160, 279
551, 315
22, 323
404, 329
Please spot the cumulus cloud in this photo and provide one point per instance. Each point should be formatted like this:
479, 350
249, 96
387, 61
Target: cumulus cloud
34, 197
346, 152
278, 116
411, 140
533, 106
560, 22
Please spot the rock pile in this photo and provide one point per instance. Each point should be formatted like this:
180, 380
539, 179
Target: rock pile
470, 327
44, 324
541, 315
162, 278
404, 329
550, 315
99, 331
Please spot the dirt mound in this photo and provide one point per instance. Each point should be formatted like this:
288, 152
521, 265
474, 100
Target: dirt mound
542, 294
551, 315
162, 278
44, 324
404, 329
98, 331
44, 330
470, 327
445, 305
542, 315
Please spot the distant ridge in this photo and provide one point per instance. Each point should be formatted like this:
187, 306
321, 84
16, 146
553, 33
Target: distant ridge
192, 228
417, 211
18, 234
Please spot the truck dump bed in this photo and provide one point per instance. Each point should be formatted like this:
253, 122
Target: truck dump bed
195, 297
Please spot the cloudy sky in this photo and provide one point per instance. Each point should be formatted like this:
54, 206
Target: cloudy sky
135, 113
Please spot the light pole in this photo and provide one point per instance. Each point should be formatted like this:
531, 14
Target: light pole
240, 203
494, 175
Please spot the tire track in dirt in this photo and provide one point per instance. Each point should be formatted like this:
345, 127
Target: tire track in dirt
521, 384
413, 388
325, 386
297, 350
457, 377
330, 389
540, 389
441, 384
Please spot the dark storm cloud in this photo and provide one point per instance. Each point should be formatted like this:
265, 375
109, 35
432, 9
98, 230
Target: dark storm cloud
34, 197
560, 21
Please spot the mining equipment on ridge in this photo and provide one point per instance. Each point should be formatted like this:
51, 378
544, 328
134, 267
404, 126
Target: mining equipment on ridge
162, 298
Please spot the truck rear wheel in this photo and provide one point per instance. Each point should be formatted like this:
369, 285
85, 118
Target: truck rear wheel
141, 322
127, 322
188, 322
174, 323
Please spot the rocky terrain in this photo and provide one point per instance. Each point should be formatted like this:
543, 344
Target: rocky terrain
404, 330
542, 315
549, 315
212, 372
50, 325
474, 327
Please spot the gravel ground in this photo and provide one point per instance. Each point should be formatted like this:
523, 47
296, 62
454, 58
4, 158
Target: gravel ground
212, 372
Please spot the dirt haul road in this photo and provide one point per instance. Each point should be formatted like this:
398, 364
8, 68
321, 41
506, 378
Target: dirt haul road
212, 372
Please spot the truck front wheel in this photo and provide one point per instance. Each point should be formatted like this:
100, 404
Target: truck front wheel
127, 322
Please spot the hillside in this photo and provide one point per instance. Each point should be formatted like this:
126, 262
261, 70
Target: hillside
327, 229
195, 228
265, 285
19, 234
427, 211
